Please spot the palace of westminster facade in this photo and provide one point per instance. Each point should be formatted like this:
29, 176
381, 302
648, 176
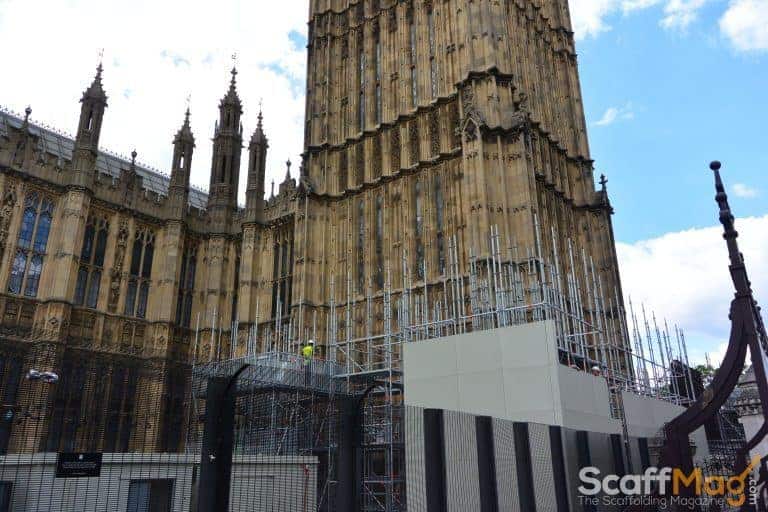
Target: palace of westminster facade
425, 121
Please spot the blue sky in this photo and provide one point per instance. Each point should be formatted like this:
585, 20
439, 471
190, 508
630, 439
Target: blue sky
667, 88
684, 98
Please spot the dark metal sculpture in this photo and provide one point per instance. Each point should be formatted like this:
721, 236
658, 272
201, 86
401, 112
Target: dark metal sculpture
747, 331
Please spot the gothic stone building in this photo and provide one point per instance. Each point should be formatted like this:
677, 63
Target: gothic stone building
427, 122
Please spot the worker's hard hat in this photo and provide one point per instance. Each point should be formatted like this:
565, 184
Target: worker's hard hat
311, 342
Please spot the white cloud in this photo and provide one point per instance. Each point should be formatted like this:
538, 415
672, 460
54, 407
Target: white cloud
613, 114
591, 17
745, 25
684, 277
156, 53
742, 190
679, 14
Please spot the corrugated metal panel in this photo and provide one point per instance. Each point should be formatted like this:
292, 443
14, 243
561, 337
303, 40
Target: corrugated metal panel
461, 462
541, 464
414, 460
506, 465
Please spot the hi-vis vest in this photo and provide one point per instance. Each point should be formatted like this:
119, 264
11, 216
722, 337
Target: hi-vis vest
308, 351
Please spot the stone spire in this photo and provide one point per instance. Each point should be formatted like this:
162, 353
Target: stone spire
93, 105
27, 113
232, 98
183, 147
225, 165
257, 164
96, 90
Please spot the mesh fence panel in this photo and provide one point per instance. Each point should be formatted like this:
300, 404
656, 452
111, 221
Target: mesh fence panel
140, 422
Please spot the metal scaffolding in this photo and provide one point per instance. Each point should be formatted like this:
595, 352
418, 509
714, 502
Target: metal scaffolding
510, 285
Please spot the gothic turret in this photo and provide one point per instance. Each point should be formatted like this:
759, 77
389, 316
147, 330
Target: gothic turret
94, 102
178, 191
225, 167
257, 164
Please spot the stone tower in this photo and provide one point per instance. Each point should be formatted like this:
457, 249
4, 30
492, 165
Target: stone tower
257, 167
181, 165
225, 167
433, 121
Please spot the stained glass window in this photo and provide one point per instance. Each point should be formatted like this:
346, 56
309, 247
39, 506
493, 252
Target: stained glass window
140, 273
91, 261
186, 285
27, 266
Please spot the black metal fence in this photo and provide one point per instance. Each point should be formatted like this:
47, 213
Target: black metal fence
459, 461
82, 431
94, 432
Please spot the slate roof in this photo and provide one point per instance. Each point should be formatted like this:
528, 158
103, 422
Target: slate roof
61, 145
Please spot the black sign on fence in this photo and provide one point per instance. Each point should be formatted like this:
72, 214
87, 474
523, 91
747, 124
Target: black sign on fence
78, 465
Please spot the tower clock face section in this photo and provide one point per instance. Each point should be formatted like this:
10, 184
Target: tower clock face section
431, 124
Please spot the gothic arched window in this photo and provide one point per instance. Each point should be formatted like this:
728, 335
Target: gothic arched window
236, 290
343, 171
432, 54
414, 76
439, 224
282, 273
377, 66
186, 285
27, 264
361, 105
140, 273
379, 242
360, 245
418, 229
91, 262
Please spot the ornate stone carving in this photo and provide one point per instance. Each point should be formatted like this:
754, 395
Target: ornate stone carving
455, 124
360, 164
394, 149
20, 151
470, 125
6, 211
343, 170
117, 268
392, 18
413, 141
434, 133
467, 99
376, 160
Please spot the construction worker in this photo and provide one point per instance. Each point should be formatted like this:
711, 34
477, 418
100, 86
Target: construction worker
308, 351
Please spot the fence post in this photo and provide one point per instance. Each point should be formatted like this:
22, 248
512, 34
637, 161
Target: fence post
216, 453
584, 458
524, 469
434, 461
349, 470
617, 448
558, 468
486, 462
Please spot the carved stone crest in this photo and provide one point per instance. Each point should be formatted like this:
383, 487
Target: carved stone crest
117, 268
434, 133
470, 124
394, 149
413, 141
6, 211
